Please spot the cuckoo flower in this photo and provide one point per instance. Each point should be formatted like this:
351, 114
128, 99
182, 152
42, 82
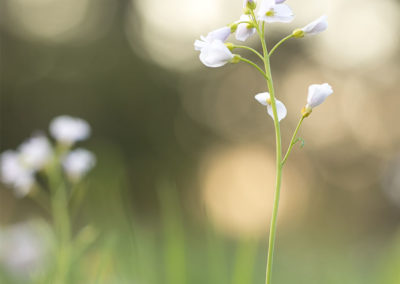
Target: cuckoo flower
316, 96
265, 99
15, 174
273, 11
313, 28
78, 162
244, 30
221, 34
35, 153
215, 54
68, 130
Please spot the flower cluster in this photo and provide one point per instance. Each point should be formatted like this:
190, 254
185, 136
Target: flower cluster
215, 51
18, 168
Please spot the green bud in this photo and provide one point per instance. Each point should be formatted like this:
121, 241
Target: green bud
230, 46
233, 27
236, 58
298, 33
247, 11
251, 5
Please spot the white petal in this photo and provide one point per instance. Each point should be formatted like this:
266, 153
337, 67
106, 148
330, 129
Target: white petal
215, 54
78, 162
279, 1
280, 109
199, 44
317, 26
68, 130
221, 34
35, 152
262, 98
317, 94
14, 174
280, 12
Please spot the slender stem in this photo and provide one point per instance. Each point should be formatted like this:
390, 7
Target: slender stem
279, 43
251, 49
272, 232
255, 66
293, 141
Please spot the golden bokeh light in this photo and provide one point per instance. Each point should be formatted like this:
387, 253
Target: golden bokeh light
237, 187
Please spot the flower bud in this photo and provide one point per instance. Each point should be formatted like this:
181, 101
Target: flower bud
316, 96
250, 4
316, 27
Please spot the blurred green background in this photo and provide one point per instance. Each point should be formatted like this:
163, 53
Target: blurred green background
183, 184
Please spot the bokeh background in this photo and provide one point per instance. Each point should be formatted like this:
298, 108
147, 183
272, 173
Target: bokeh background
171, 133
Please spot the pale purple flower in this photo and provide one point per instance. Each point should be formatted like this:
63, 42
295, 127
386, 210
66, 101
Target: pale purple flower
273, 11
265, 99
215, 54
317, 26
221, 34
244, 30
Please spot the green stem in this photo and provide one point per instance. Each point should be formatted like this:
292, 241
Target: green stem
255, 66
272, 233
293, 141
279, 43
251, 49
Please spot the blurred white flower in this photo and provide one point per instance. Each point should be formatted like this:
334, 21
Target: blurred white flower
265, 99
35, 152
279, 1
215, 54
244, 30
21, 249
221, 34
317, 26
317, 94
68, 130
15, 174
273, 11
78, 162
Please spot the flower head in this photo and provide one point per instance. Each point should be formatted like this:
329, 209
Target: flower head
316, 96
221, 34
244, 30
273, 11
78, 162
215, 54
265, 99
313, 28
35, 152
15, 174
68, 130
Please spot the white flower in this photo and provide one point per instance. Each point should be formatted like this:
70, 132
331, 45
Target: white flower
68, 130
279, 1
215, 54
35, 152
78, 162
317, 94
244, 30
317, 26
22, 249
14, 174
271, 11
221, 34
265, 99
